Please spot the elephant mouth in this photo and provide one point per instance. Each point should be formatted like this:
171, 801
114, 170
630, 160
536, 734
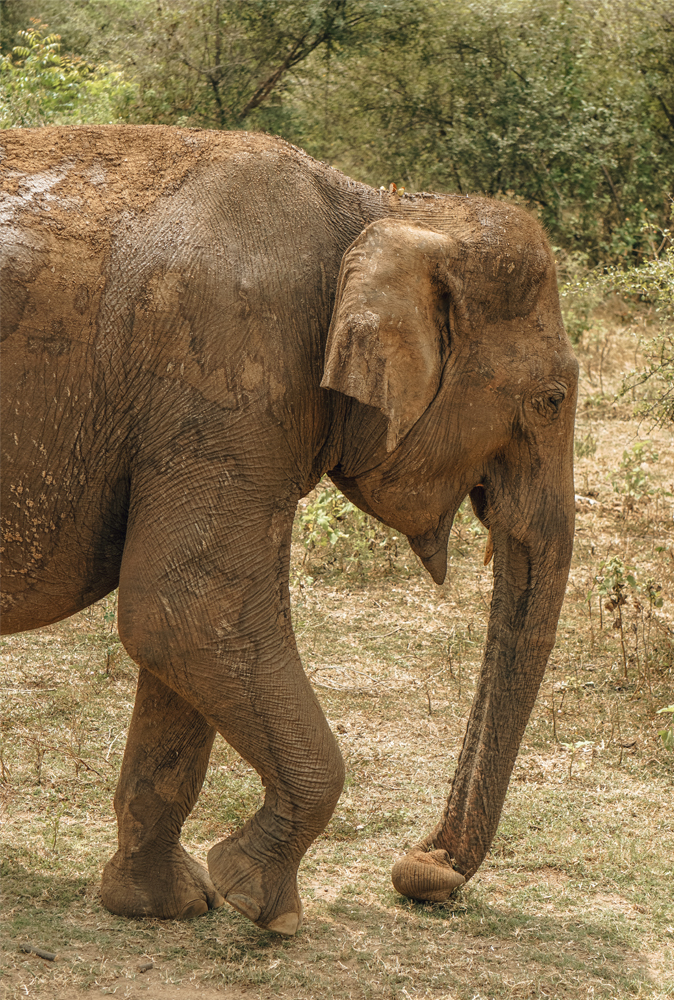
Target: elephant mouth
437, 565
478, 499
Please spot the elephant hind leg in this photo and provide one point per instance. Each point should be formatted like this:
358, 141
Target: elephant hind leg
165, 761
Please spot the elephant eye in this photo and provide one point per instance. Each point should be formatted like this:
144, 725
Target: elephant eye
549, 403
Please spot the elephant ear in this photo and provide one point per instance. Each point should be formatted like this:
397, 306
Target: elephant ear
389, 335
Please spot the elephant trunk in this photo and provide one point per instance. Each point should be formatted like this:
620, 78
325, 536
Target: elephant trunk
529, 582
527, 598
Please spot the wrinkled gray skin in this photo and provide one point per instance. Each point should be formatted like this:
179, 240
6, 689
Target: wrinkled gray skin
198, 326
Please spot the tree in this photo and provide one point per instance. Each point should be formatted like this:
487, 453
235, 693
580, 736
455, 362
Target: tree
564, 105
211, 63
560, 103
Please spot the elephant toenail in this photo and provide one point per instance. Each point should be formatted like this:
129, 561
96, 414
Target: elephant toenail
244, 904
286, 924
195, 908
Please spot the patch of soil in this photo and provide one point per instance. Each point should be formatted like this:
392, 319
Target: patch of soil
157, 990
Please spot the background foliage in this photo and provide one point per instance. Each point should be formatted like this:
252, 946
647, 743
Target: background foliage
43, 86
567, 105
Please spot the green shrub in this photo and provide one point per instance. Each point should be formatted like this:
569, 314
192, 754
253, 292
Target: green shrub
634, 480
39, 85
667, 734
334, 535
650, 286
653, 283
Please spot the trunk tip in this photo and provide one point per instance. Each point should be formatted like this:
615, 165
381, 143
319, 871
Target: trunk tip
426, 875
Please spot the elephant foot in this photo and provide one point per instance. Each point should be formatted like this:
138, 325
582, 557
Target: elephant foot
171, 886
264, 892
426, 875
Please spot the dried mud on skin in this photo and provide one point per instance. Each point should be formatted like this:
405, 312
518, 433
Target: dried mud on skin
574, 899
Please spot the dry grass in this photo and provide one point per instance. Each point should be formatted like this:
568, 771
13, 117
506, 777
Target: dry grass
576, 897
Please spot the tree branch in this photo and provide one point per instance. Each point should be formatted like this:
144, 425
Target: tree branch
668, 113
296, 55
613, 190
218, 100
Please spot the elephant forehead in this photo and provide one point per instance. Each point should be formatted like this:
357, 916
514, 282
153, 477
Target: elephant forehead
521, 343
516, 357
504, 284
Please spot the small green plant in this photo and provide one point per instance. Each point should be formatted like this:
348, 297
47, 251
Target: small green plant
613, 581
616, 583
667, 734
586, 446
52, 827
652, 590
321, 521
573, 749
336, 534
634, 480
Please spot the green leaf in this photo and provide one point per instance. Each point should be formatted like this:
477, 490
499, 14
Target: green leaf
667, 737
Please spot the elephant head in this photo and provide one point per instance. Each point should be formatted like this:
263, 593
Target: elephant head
449, 341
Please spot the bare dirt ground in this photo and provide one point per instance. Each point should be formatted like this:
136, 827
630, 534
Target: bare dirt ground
157, 990
575, 898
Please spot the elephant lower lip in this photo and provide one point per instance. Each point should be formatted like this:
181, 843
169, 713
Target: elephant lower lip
436, 565
432, 549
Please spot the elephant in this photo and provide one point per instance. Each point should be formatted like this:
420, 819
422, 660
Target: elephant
197, 326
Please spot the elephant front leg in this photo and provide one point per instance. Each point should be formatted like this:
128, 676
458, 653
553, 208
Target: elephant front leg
208, 610
279, 728
164, 765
